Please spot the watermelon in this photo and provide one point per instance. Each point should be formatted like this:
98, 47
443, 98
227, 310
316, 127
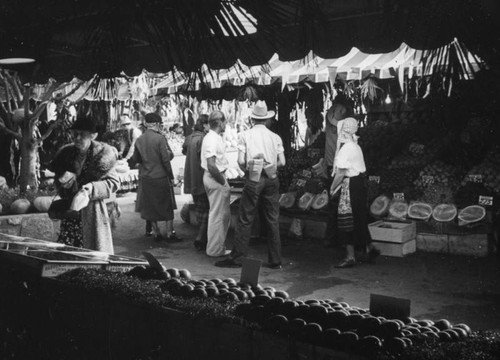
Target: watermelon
287, 200
444, 212
398, 209
471, 214
380, 206
419, 210
320, 201
305, 201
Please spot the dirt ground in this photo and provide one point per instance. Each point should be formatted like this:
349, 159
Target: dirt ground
458, 288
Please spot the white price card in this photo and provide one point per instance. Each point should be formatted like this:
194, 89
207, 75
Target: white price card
374, 179
485, 200
399, 196
475, 178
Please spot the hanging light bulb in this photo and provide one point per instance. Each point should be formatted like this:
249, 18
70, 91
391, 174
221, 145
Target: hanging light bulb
388, 99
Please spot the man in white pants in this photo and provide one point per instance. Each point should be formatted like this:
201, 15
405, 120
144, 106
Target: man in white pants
215, 163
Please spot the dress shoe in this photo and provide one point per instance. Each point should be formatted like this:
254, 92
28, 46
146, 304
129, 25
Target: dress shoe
346, 263
149, 233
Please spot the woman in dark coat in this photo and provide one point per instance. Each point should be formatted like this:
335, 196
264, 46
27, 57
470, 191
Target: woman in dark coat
87, 165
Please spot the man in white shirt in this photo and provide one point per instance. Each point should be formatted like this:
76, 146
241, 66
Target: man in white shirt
258, 145
215, 163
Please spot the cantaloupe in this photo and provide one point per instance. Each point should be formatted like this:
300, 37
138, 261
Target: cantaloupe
287, 200
419, 210
380, 206
471, 214
444, 212
305, 201
320, 201
42, 203
20, 206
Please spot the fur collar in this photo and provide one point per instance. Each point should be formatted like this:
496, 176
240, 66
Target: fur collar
99, 160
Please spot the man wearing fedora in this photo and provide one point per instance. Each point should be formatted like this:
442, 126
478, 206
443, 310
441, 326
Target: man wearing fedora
260, 152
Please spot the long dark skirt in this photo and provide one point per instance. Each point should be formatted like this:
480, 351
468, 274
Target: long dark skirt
360, 236
155, 199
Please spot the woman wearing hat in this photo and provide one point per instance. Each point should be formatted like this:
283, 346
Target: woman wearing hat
86, 166
352, 218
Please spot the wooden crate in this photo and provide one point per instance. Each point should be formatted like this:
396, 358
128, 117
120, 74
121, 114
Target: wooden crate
437, 243
391, 231
396, 249
469, 244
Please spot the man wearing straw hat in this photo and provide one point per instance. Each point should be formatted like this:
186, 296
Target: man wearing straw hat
260, 152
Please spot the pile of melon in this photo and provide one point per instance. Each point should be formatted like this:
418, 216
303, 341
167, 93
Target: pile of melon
326, 323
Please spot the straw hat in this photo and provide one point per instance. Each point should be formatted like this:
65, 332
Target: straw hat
260, 112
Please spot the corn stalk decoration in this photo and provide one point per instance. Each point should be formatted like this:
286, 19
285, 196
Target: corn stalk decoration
19, 117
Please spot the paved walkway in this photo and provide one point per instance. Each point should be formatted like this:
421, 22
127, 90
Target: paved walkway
458, 288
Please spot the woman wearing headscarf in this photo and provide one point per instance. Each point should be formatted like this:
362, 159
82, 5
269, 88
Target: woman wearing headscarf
86, 167
349, 172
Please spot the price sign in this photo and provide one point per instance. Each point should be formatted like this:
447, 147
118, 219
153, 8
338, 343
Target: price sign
374, 179
428, 179
475, 178
486, 200
399, 196
307, 174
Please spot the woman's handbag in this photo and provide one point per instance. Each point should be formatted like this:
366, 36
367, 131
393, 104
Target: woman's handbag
60, 209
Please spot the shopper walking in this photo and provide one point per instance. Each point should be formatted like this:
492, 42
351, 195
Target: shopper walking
193, 178
349, 175
258, 147
214, 163
155, 199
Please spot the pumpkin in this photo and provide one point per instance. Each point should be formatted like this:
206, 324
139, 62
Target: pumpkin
380, 206
444, 212
185, 213
320, 201
398, 209
471, 214
20, 206
305, 201
287, 200
419, 210
42, 203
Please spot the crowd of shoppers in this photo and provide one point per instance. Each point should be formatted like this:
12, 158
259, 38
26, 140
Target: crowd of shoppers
88, 166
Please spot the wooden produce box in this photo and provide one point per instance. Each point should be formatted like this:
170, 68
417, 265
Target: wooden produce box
469, 244
392, 231
396, 249
436, 243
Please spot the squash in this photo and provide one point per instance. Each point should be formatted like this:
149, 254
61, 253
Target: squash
42, 203
320, 201
419, 210
305, 201
287, 200
471, 214
444, 212
380, 206
398, 209
20, 206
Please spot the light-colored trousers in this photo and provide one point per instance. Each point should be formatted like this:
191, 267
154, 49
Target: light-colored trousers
219, 216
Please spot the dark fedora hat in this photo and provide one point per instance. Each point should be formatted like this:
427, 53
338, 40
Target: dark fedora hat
152, 118
84, 123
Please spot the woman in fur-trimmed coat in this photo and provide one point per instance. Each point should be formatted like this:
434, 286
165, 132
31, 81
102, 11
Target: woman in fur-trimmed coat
89, 165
